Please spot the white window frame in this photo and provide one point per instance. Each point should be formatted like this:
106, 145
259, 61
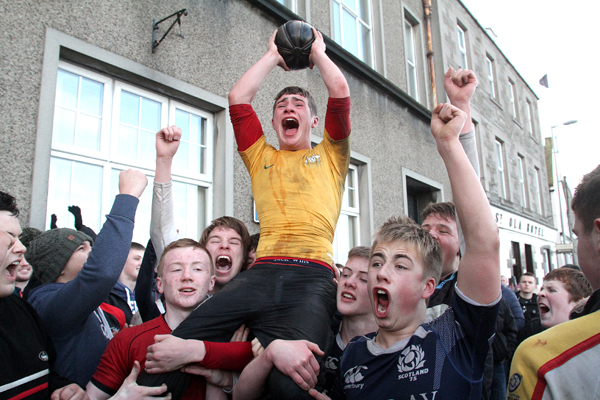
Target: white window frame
106, 111
291, 4
513, 98
208, 160
411, 65
462, 46
108, 159
340, 250
538, 194
522, 177
339, 25
119, 87
530, 117
500, 166
490, 72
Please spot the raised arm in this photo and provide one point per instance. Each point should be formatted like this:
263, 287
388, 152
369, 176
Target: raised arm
83, 294
479, 270
460, 86
245, 88
332, 76
162, 220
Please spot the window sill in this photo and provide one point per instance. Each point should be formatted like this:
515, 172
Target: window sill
518, 123
493, 99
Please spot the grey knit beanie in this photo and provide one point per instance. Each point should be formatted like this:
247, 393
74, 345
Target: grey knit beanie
49, 252
28, 235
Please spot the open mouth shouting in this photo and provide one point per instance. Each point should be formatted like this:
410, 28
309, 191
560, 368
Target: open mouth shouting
11, 270
290, 126
544, 309
382, 302
223, 265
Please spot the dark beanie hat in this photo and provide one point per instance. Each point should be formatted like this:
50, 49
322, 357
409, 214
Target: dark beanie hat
28, 235
49, 252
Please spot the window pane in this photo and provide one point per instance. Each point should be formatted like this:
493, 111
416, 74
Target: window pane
144, 209
351, 189
193, 142
364, 11
88, 132
351, 5
182, 120
74, 183
181, 160
147, 147
337, 26
67, 85
412, 88
189, 202
408, 41
366, 44
288, 3
352, 232
91, 97
63, 131
150, 115
350, 33
130, 108
128, 138
196, 130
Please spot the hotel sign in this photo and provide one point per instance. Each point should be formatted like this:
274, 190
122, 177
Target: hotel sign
509, 221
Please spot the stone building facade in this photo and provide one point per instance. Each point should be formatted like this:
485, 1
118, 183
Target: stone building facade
82, 94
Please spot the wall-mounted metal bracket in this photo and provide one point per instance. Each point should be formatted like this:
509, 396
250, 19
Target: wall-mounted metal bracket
155, 42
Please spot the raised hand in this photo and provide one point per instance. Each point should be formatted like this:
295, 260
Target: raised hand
272, 48
167, 141
318, 46
446, 122
132, 182
460, 86
76, 211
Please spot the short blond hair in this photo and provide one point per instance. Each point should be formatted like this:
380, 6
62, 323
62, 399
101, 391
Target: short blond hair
181, 244
405, 230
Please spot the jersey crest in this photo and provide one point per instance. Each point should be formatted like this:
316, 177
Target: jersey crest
353, 376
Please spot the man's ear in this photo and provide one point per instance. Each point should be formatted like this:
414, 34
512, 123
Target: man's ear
273, 124
314, 122
596, 232
429, 288
159, 285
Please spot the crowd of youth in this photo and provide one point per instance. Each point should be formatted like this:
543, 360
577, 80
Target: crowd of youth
421, 313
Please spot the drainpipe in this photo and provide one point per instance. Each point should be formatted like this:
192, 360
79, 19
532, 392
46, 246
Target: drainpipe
427, 8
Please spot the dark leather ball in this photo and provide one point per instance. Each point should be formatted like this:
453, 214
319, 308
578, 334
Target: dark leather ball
294, 40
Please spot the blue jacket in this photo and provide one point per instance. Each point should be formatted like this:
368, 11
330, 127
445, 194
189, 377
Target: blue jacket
70, 310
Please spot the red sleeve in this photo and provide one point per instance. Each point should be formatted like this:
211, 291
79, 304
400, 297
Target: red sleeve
337, 119
232, 356
113, 369
246, 126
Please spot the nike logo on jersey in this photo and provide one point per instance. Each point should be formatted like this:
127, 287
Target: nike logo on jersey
267, 167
